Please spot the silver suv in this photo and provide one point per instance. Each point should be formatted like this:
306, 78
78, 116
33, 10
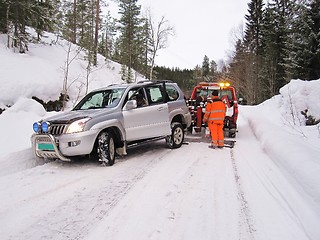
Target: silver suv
107, 121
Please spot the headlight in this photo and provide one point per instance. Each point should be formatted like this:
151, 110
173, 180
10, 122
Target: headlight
77, 126
36, 127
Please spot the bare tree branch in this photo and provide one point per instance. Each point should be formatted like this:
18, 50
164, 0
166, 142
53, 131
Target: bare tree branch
158, 37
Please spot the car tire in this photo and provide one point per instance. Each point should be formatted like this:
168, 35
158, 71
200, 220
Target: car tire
106, 148
176, 138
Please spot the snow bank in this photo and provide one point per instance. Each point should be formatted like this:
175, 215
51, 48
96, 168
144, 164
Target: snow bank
291, 152
294, 148
298, 96
26, 105
16, 125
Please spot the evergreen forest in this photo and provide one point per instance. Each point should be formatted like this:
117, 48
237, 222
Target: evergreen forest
280, 41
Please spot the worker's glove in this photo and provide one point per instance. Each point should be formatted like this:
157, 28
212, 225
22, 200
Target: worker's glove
207, 132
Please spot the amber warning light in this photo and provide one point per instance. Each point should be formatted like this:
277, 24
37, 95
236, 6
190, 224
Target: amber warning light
222, 85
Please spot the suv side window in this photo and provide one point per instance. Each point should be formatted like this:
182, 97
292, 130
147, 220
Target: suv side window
139, 95
172, 93
155, 95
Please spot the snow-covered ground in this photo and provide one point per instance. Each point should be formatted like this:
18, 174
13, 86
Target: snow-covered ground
267, 187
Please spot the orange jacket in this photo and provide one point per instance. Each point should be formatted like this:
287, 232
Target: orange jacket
215, 111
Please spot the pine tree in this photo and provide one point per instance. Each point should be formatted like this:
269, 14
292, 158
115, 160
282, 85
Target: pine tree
271, 51
304, 43
146, 50
142, 48
20, 14
253, 34
313, 67
275, 30
96, 32
253, 45
70, 26
299, 51
205, 68
130, 25
85, 25
3, 14
108, 32
41, 17
213, 70
57, 17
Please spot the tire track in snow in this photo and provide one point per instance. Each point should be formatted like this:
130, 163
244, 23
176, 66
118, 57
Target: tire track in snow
74, 217
246, 223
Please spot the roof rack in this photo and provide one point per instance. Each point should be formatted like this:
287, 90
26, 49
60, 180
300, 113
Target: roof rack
144, 81
167, 81
155, 81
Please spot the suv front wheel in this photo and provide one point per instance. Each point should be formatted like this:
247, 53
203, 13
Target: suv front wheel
176, 138
106, 148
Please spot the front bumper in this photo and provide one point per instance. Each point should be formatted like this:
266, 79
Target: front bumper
49, 148
64, 146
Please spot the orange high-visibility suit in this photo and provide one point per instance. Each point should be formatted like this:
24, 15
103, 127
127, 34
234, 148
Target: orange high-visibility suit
214, 116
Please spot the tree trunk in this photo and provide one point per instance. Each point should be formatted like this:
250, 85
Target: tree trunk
74, 30
96, 34
7, 25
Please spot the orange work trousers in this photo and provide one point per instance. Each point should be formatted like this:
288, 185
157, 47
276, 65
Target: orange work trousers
216, 131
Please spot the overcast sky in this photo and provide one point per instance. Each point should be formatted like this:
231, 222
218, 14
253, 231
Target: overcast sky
202, 27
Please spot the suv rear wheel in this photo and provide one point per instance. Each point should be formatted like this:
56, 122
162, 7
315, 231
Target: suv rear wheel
176, 138
106, 148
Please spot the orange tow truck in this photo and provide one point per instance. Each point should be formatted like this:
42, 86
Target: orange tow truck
201, 95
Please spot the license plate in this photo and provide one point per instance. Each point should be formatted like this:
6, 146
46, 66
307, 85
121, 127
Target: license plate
45, 146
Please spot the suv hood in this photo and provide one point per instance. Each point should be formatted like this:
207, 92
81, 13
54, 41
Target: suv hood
71, 116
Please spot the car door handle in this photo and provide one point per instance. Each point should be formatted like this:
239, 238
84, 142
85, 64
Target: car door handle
161, 109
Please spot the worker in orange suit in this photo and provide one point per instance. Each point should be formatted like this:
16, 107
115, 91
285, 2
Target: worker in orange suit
214, 117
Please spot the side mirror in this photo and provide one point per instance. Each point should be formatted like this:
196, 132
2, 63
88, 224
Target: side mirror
131, 104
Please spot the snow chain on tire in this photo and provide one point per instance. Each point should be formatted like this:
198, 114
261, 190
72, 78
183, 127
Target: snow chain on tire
106, 148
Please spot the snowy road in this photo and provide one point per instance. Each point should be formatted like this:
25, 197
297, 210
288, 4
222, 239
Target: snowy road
156, 193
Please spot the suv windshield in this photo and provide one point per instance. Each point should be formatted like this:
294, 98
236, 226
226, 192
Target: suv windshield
101, 99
